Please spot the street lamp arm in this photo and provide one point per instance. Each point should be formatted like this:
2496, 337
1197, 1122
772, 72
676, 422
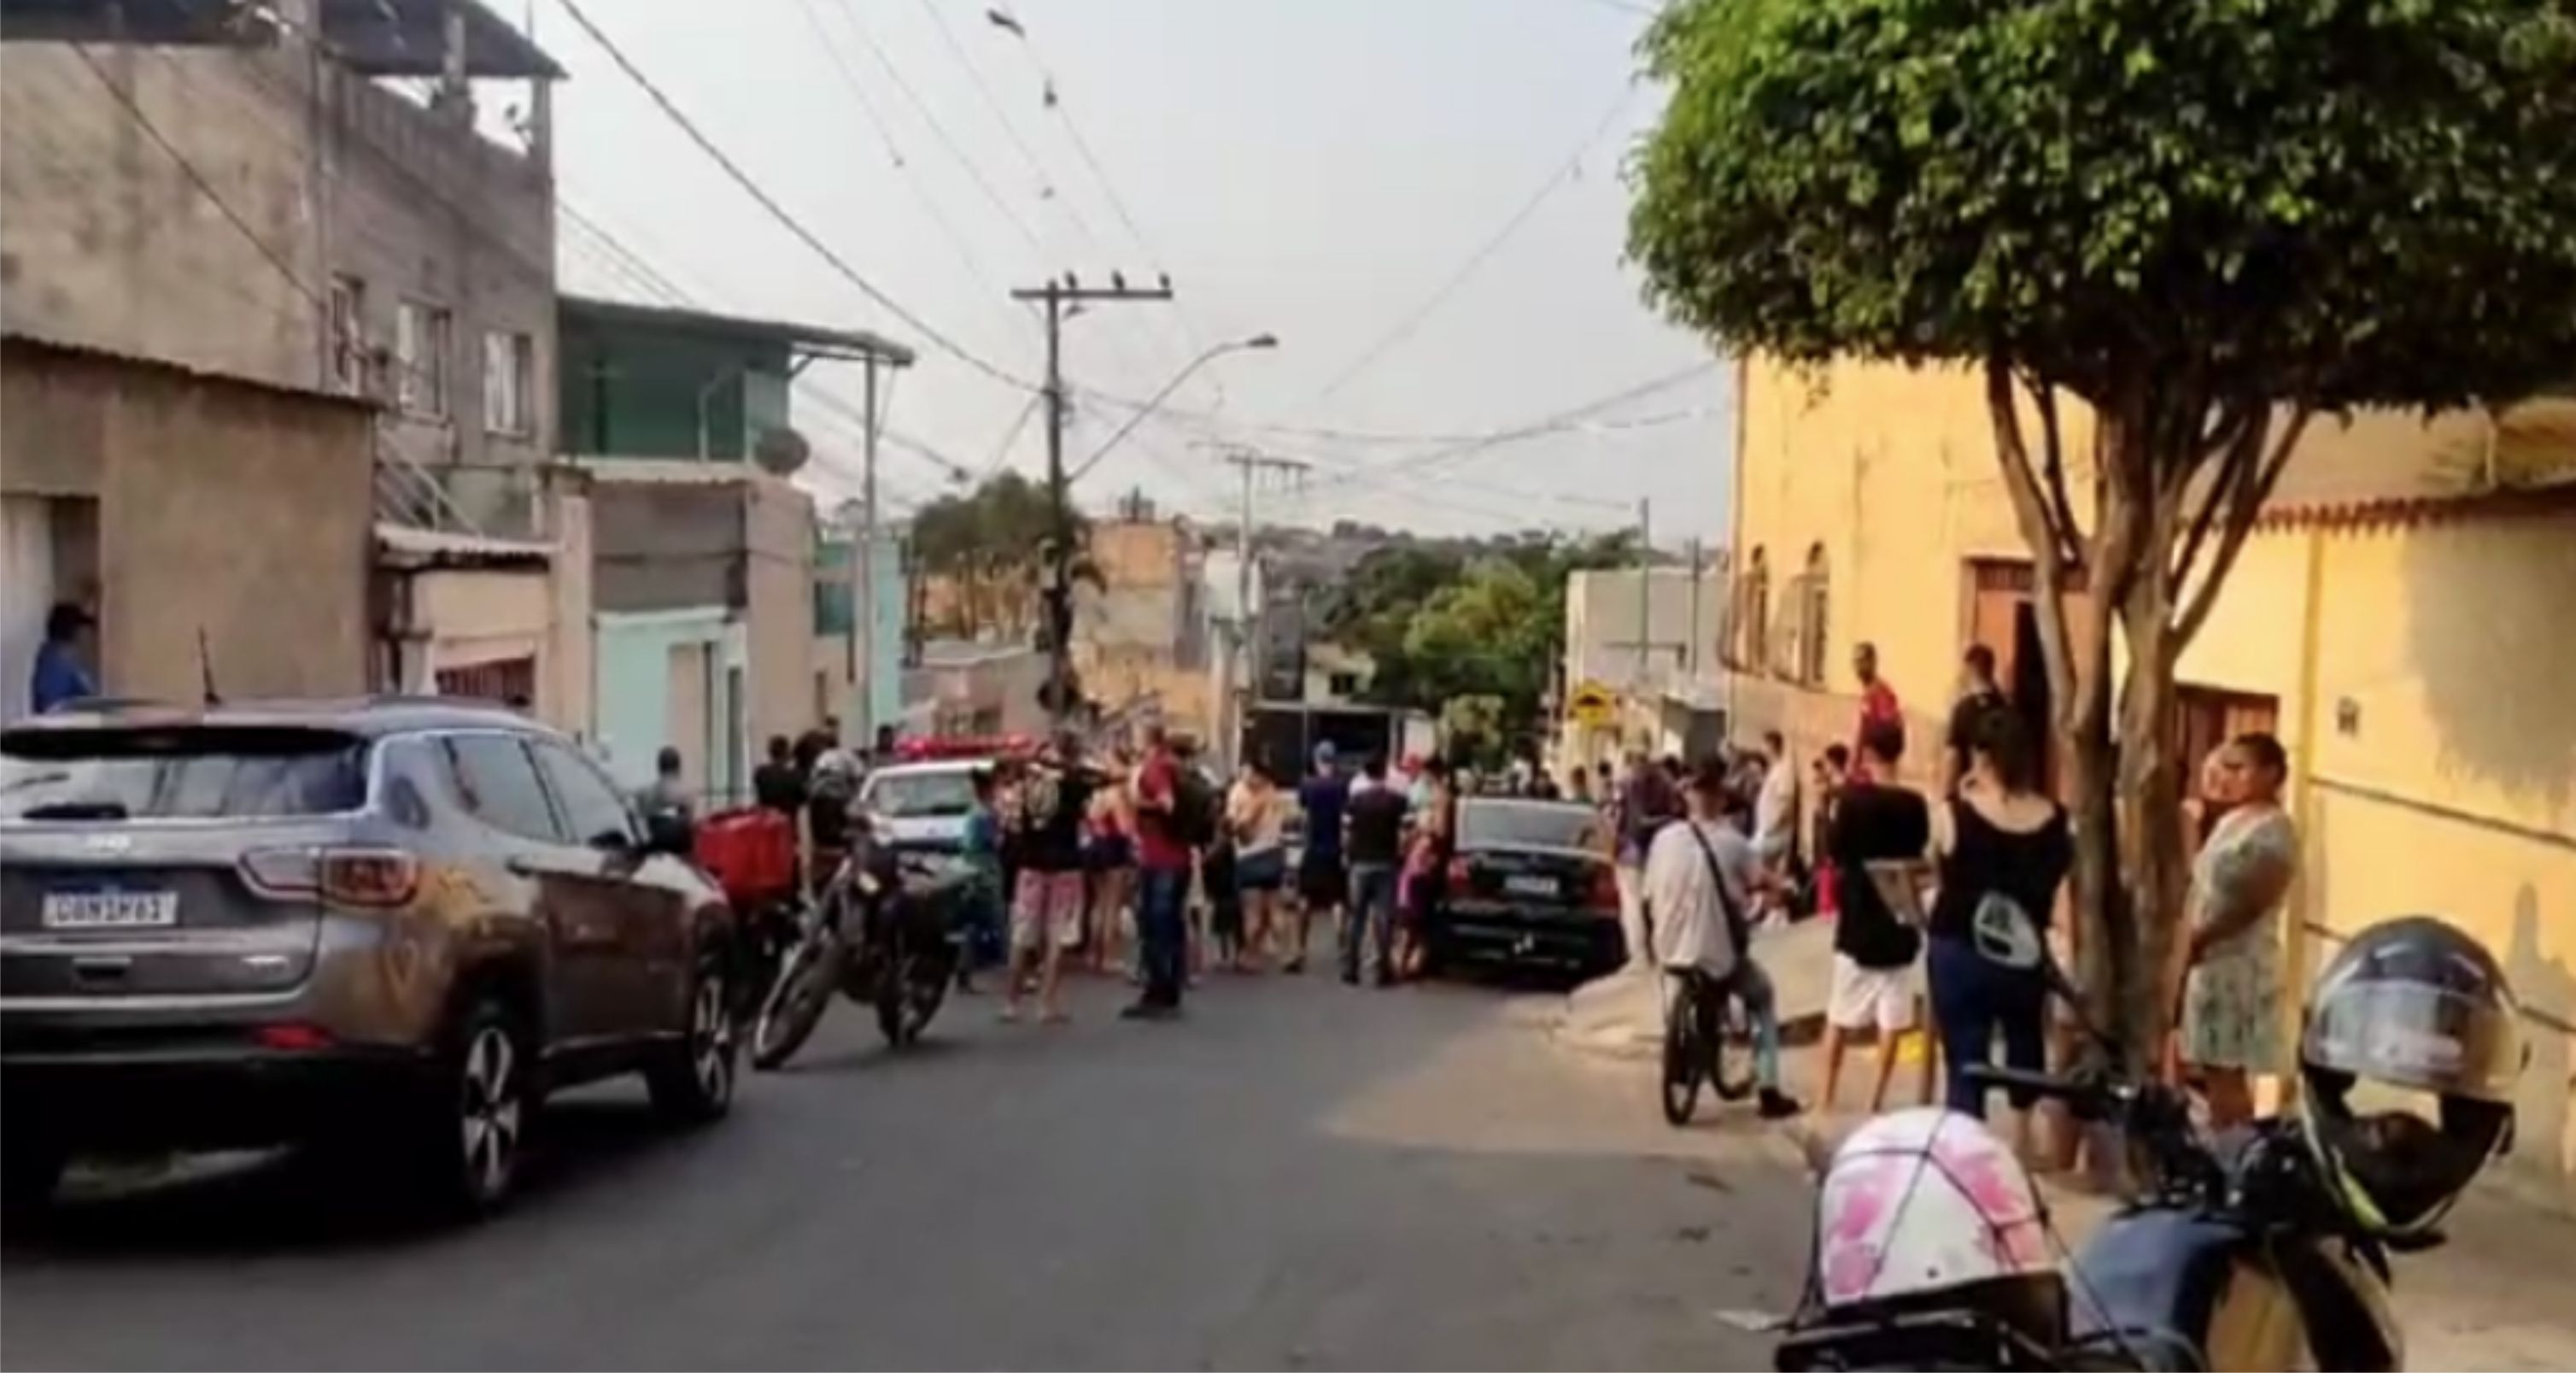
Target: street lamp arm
1146, 411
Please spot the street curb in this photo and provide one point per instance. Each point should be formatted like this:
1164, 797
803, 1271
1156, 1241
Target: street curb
1645, 1044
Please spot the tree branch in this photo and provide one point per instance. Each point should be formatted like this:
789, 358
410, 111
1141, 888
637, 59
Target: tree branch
2251, 497
2061, 506
2048, 540
2243, 443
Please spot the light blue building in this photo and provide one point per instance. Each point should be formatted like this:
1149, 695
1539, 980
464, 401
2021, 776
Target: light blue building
676, 677
889, 648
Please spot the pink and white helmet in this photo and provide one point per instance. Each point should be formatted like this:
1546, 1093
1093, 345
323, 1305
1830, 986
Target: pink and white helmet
1925, 1208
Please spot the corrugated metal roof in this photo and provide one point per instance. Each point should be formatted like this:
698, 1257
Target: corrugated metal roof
432, 545
810, 337
18, 339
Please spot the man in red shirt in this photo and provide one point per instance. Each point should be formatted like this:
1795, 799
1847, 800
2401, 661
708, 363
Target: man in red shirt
1163, 857
1878, 705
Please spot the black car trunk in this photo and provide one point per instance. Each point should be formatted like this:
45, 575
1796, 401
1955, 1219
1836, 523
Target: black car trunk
1532, 876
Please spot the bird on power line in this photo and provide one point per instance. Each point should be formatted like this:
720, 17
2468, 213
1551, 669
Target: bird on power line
1117, 281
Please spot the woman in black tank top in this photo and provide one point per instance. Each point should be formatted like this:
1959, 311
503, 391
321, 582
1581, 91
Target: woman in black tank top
2006, 844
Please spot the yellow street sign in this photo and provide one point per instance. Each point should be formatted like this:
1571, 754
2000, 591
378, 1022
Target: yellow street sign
1592, 704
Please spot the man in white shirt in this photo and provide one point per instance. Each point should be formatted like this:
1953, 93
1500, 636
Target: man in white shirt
1775, 828
1697, 885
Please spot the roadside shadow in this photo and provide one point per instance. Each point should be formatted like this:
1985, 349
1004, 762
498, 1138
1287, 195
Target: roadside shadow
303, 1201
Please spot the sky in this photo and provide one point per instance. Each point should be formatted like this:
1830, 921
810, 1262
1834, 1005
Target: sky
1422, 200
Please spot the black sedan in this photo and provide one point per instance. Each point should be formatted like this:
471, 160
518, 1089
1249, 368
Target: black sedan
1530, 886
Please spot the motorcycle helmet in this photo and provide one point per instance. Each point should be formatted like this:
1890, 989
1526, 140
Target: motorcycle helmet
1925, 1209
2407, 1064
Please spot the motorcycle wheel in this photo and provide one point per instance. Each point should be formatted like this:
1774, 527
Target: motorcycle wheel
797, 999
909, 992
1683, 1057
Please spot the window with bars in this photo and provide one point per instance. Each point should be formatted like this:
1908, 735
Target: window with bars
1754, 652
421, 334
349, 334
509, 383
1813, 603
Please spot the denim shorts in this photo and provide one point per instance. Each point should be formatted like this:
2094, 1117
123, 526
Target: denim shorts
1263, 871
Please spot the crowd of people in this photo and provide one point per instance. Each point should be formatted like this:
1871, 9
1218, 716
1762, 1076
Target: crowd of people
1141, 864
1909, 877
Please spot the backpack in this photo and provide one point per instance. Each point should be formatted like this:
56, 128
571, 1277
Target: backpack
1194, 808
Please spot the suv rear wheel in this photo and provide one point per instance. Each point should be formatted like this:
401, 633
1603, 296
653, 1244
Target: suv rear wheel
473, 1122
693, 1080
32, 1164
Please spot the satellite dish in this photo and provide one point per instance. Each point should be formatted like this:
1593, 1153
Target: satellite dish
780, 451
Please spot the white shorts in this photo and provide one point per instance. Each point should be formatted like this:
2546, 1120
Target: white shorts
1863, 998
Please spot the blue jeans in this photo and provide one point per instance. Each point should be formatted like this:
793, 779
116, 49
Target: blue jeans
1370, 915
1162, 933
1749, 984
1972, 1001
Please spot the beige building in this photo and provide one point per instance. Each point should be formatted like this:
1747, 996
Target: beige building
1141, 639
218, 528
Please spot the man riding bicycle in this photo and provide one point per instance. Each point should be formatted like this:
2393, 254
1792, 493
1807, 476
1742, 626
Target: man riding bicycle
1699, 874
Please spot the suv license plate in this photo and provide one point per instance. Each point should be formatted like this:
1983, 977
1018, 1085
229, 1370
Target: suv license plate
111, 910
1530, 886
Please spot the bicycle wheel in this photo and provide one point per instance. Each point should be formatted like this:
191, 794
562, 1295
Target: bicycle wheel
1684, 1057
1730, 1059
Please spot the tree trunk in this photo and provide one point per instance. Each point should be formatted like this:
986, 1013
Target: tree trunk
2150, 788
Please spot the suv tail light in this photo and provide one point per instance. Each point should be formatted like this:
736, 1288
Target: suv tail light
343, 876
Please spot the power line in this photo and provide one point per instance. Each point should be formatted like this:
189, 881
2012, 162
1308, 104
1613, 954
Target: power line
973, 169
1556, 423
1002, 450
1100, 173
753, 188
1010, 128
1405, 327
198, 179
939, 130
957, 239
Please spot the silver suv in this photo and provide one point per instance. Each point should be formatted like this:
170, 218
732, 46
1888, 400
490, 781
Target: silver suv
387, 923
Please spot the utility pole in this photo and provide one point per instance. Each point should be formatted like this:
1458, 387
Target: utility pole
1690, 640
1645, 592
863, 580
1252, 463
1057, 598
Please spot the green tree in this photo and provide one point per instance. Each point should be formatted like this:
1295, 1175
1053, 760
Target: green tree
986, 543
2206, 220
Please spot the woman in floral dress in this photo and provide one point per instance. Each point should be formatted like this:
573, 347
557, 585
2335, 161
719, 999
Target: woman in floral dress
2231, 1002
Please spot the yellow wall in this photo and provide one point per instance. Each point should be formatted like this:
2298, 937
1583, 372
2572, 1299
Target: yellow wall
2426, 671
1892, 472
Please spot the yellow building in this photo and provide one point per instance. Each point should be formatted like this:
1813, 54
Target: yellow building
2404, 619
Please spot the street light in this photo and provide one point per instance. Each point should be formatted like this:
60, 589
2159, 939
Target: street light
1256, 343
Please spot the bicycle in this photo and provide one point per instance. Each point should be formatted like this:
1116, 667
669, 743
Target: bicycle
1690, 1058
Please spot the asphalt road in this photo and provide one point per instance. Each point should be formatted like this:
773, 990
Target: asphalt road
1298, 1175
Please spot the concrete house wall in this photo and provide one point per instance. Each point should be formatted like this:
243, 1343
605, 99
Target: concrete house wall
228, 509
106, 239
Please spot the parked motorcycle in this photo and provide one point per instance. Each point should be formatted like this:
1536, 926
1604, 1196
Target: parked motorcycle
2238, 1253
882, 934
